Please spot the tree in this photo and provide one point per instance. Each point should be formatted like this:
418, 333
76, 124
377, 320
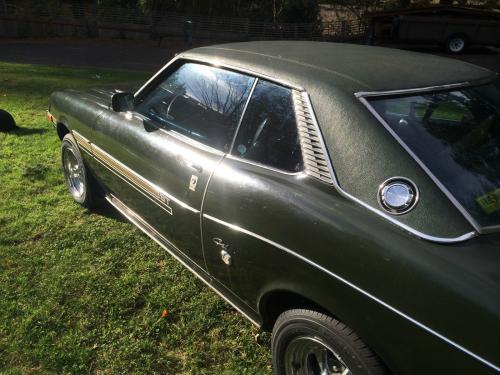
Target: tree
300, 11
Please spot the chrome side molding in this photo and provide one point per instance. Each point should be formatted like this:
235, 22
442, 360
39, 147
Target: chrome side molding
162, 241
140, 183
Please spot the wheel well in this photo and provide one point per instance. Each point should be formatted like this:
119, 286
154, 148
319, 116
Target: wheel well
274, 303
62, 130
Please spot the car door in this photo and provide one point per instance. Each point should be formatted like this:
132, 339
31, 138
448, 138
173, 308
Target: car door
158, 158
252, 193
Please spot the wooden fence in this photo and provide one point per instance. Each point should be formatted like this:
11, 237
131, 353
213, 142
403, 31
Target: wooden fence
88, 20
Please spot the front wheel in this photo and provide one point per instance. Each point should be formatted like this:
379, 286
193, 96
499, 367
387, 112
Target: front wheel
306, 342
80, 184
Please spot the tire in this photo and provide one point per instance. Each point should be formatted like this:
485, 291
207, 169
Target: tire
7, 122
456, 44
304, 340
79, 181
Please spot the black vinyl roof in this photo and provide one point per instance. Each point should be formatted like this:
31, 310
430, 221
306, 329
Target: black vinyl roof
347, 68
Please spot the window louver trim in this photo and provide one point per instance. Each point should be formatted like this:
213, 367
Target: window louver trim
313, 150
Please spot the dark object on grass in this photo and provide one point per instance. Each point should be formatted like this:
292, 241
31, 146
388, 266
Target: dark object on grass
7, 122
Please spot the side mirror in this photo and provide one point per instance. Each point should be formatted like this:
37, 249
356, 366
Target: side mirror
122, 102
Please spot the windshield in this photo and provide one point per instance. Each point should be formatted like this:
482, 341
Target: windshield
456, 134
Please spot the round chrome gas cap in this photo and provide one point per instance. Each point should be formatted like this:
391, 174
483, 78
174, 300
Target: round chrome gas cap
398, 195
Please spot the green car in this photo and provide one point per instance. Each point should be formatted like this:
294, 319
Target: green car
346, 198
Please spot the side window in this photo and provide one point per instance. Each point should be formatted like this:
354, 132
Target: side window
200, 102
268, 133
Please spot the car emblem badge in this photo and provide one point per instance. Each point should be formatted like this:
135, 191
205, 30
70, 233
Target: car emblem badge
193, 182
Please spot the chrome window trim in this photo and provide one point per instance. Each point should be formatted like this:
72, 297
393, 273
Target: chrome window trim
490, 229
181, 137
229, 155
354, 286
416, 233
256, 80
192, 142
419, 90
135, 219
186, 57
362, 98
236, 158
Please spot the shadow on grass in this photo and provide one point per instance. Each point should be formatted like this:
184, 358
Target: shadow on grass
22, 131
107, 210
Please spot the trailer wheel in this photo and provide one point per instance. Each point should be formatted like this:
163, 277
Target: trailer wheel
456, 43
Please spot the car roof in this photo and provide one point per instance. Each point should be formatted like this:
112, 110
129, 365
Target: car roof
348, 67
363, 153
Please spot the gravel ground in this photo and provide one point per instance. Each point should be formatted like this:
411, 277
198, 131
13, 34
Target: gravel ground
145, 55
115, 54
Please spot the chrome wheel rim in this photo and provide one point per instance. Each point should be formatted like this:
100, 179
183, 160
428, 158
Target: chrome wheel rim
311, 356
457, 44
73, 172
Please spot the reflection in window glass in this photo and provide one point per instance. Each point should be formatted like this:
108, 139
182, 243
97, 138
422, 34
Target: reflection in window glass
199, 101
268, 133
457, 136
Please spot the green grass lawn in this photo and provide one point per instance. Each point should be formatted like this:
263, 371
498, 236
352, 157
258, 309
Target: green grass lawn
83, 291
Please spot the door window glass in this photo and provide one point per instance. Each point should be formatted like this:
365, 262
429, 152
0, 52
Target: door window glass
268, 133
199, 101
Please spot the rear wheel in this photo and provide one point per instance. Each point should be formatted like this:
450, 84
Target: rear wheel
307, 342
456, 44
80, 184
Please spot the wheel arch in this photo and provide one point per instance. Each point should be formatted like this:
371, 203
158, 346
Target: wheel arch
274, 302
62, 129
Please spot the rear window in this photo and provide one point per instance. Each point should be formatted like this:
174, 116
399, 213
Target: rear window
456, 134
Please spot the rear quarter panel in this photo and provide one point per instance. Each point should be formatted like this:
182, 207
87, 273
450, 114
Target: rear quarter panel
296, 234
